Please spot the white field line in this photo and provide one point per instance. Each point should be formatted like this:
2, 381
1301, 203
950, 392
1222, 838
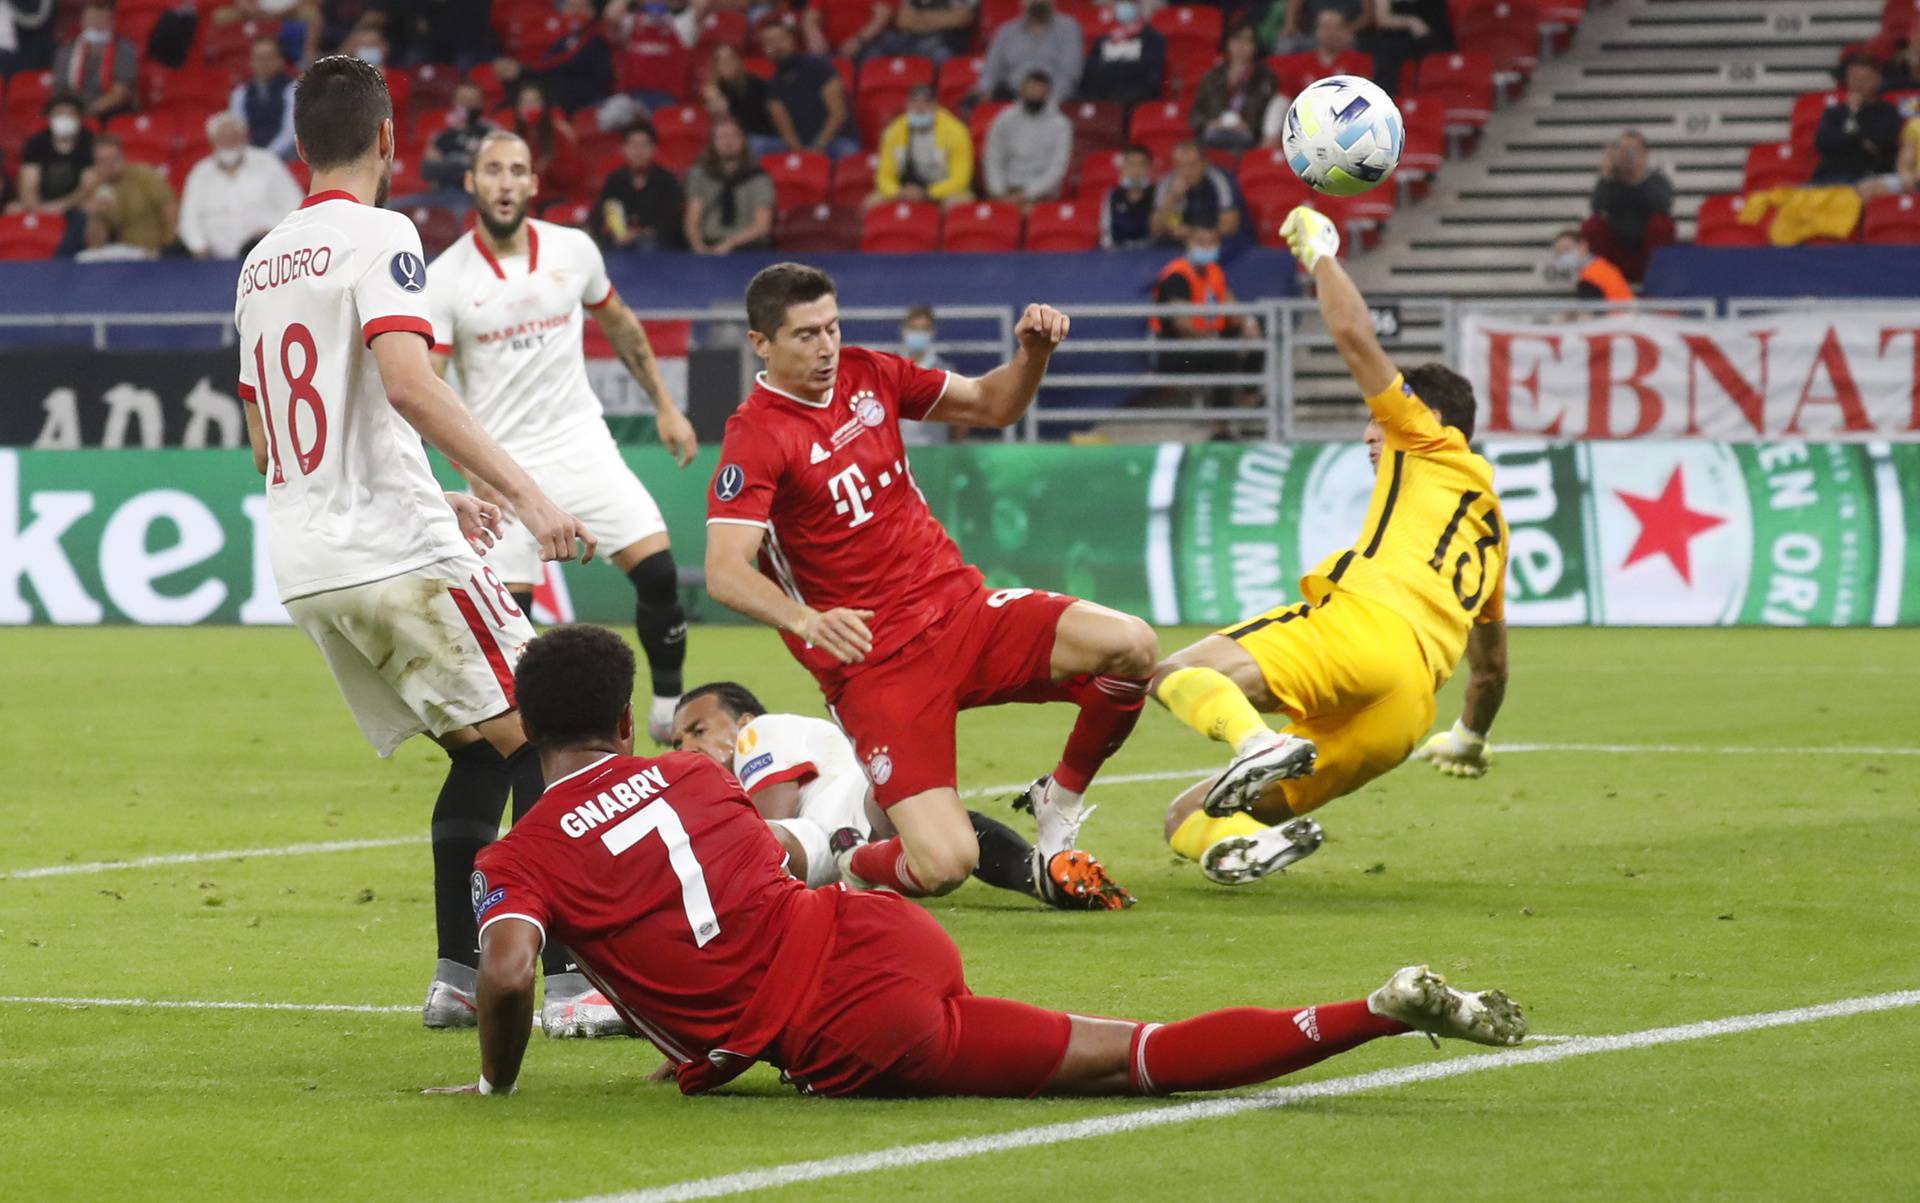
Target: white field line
173, 1004
903, 1156
982, 791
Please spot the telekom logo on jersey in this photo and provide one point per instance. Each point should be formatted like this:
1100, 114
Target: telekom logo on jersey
285, 268
614, 801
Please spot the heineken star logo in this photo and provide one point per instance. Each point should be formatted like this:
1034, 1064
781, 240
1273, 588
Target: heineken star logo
1667, 526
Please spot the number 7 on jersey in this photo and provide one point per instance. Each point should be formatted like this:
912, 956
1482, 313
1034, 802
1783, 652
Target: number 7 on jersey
694, 899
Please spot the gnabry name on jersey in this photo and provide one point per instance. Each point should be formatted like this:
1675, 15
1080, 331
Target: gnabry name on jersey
616, 800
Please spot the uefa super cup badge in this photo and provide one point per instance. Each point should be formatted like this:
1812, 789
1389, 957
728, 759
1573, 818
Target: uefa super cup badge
868, 409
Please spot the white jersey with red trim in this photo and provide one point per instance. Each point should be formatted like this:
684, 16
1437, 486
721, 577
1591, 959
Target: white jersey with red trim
813, 752
350, 497
514, 328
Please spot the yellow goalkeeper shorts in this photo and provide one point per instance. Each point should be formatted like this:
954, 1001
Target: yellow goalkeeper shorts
1353, 679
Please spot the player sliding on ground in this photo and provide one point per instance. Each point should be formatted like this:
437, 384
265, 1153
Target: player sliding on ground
871, 594
1356, 665
806, 782
660, 876
372, 560
507, 303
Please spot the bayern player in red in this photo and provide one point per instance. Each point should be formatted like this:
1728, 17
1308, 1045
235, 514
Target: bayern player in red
816, 527
662, 879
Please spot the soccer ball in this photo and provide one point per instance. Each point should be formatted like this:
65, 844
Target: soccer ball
1343, 135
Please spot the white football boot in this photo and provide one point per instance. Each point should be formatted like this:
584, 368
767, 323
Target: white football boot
1241, 859
1421, 999
1274, 756
450, 1002
575, 1010
1058, 823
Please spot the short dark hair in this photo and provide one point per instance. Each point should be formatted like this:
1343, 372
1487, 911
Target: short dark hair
273, 42
1446, 392
780, 287
572, 683
1572, 233
736, 699
641, 127
1137, 149
338, 105
113, 140
61, 100
1038, 74
918, 311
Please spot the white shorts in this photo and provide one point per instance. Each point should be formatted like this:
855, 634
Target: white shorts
429, 650
824, 809
594, 484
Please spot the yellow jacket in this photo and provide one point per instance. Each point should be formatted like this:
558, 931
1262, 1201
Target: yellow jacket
956, 145
1804, 214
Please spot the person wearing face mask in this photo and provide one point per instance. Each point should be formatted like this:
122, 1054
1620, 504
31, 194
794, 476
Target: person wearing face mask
1129, 62
1194, 277
54, 160
265, 99
917, 332
235, 194
926, 153
1029, 146
450, 153
1043, 41
1126, 218
1594, 278
98, 66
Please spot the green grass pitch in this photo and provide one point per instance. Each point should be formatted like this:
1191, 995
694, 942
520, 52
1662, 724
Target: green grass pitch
1611, 891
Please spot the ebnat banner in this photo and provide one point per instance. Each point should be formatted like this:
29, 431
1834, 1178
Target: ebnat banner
1664, 533
1825, 373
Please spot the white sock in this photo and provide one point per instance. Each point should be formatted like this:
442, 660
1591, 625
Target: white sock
662, 710
1063, 797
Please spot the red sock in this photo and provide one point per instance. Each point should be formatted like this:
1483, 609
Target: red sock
1109, 707
884, 863
1243, 1045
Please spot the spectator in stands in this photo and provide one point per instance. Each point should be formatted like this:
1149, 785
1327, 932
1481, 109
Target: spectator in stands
1043, 40
1331, 53
265, 99
1632, 206
926, 153
863, 40
1029, 145
1903, 74
1403, 30
1129, 62
935, 29
303, 16
1230, 107
806, 101
729, 199
435, 31
127, 204
26, 35
1905, 176
555, 146
449, 153
235, 194
732, 90
577, 66
54, 160
99, 66
1594, 277
1126, 217
368, 43
1860, 136
1194, 193
1293, 26
640, 206
917, 335
1194, 277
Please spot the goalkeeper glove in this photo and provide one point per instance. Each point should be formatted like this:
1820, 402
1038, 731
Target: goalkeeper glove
1457, 752
1311, 235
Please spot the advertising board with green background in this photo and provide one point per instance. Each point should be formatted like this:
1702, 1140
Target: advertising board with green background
1660, 533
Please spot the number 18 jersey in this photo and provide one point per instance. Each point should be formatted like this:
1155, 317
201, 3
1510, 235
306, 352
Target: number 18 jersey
350, 498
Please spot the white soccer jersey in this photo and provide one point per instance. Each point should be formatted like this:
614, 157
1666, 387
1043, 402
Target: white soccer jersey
514, 327
350, 498
790, 747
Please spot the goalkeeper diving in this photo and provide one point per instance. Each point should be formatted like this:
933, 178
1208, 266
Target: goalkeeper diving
1382, 625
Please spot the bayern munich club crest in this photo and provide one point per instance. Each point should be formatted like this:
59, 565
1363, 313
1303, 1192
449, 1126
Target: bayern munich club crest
868, 409
728, 481
880, 767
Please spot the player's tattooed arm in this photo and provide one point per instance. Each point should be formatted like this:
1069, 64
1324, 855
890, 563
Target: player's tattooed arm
1001, 397
509, 952
629, 340
735, 581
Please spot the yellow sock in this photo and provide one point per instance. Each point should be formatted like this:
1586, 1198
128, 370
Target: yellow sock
1207, 701
1201, 831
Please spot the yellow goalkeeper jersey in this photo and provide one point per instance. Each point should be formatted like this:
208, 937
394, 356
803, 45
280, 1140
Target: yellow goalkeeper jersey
1434, 547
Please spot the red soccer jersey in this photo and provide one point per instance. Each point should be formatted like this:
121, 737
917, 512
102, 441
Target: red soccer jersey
846, 524
663, 880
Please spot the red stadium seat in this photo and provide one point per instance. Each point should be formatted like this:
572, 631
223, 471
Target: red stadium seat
1892, 219
1160, 125
994, 14
194, 90
31, 235
1807, 111
1425, 148
27, 94
400, 92
841, 19
722, 27
1098, 173
845, 67
1064, 226
811, 229
980, 122
901, 227
562, 213
488, 81
982, 226
853, 179
1719, 223
1187, 63
1264, 162
894, 75
958, 78
1097, 124
438, 226
1507, 31
654, 64
152, 137
872, 114
1295, 71
759, 68
1279, 192
434, 85
1776, 165
1190, 24
1462, 84
799, 177
682, 134
227, 46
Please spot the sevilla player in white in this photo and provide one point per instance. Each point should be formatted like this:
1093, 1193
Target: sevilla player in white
507, 301
815, 527
371, 558
807, 783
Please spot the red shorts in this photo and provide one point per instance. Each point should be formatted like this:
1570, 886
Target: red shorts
893, 1016
993, 647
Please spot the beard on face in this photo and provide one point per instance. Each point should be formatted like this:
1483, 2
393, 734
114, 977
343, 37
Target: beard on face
500, 231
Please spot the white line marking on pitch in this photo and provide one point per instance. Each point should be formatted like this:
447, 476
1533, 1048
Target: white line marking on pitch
170, 1004
930, 1152
1516, 749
